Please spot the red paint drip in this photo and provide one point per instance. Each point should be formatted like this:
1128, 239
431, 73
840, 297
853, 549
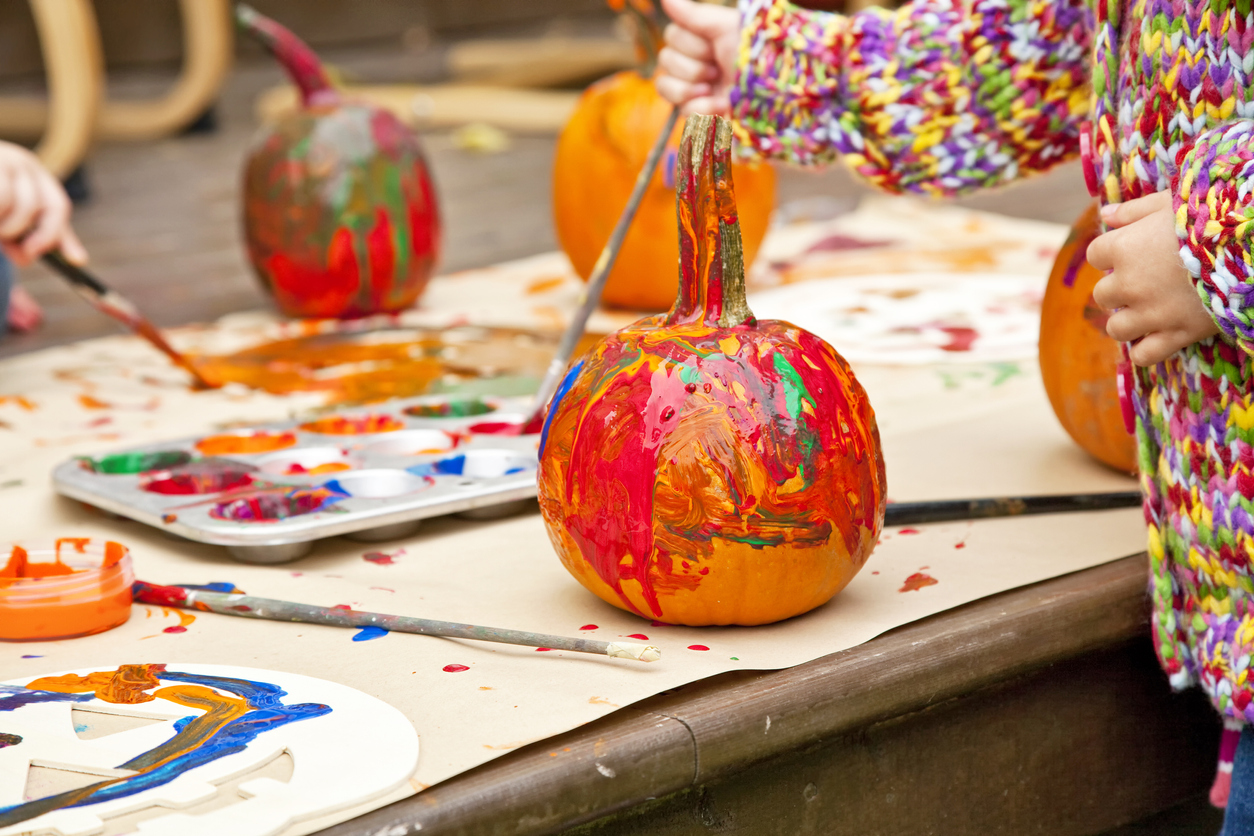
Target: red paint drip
640, 636
961, 338
909, 531
589, 627
917, 581
455, 668
697, 647
175, 629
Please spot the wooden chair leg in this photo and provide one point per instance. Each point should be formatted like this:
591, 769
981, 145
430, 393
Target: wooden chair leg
75, 68
207, 47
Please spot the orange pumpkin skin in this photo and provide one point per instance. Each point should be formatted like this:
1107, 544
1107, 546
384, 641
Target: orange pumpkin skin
1078, 359
599, 154
702, 467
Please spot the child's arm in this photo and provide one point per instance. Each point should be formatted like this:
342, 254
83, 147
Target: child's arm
940, 96
34, 210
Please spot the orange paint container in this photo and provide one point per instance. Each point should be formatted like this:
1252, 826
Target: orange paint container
72, 587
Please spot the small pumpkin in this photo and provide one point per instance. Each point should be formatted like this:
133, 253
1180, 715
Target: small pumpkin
340, 215
1078, 359
600, 152
704, 467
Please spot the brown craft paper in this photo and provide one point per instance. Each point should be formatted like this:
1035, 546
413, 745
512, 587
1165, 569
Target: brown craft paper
948, 432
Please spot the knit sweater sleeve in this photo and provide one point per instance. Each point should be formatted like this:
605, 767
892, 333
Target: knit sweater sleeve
1215, 224
939, 96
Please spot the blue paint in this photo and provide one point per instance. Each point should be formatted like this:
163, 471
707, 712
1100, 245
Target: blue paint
365, 634
31, 656
15, 696
225, 587
451, 466
562, 389
267, 712
79, 728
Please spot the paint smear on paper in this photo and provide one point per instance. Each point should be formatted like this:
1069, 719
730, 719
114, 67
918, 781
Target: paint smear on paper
382, 558
917, 581
455, 668
365, 634
697, 647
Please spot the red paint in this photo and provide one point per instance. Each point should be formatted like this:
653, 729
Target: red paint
660, 624
909, 531
961, 545
175, 629
455, 668
161, 596
342, 607
353, 424
961, 338
380, 558
542, 649
697, 647
640, 636
589, 627
169, 518
196, 479
917, 581
496, 428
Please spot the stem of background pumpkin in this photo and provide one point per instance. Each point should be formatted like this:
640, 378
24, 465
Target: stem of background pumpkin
711, 258
296, 58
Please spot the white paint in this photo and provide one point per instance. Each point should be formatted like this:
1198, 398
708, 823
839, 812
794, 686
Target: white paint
767, 730
606, 771
362, 749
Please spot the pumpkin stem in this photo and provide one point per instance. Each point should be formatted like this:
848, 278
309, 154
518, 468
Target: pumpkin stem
646, 31
711, 258
296, 58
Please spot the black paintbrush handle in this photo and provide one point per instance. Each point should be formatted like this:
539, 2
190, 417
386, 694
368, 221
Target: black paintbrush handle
74, 273
946, 510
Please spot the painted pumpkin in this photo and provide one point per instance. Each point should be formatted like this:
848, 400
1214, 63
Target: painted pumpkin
599, 154
340, 216
700, 466
1078, 359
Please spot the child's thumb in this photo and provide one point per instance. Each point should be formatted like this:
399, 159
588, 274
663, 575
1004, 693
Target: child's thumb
700, 18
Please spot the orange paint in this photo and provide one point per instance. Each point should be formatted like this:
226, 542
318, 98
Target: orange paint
353, 425
368, 367
19, 400
74, 588
917, 581
237, 444
89, 402
329, 467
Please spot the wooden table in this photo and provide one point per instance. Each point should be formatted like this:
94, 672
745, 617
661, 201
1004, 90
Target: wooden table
1039, 710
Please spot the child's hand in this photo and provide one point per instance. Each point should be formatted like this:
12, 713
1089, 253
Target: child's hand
34, 210
1155, 304
698, 63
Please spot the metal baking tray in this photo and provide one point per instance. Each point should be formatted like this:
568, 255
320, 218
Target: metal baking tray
369, 473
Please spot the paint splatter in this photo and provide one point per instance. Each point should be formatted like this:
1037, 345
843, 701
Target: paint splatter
31, 656
961, 338
368, 633
640, 636
589, 627
455, 668
382, 558
178, 628
697, 647
7, 739
909, 531
917, 581
543, 649
169, 518
961, 545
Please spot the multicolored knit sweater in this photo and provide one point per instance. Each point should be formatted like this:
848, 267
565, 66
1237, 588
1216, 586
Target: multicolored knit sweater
946, 96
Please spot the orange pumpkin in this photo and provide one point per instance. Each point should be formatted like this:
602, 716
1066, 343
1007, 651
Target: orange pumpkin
1078, 359
599, 154
702, 466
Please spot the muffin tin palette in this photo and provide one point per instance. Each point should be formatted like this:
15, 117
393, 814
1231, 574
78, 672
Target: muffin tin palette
268, 492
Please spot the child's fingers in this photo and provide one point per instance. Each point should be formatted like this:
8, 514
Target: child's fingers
709, 105
677, 91
72, 248
675, 63
1116, 215
53, 218
1110, 292
1127, 324
1101, 251
689, 43
704, 19
1154, 348
23, 207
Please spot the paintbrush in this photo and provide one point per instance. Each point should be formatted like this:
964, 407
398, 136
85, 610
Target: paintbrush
946, 510
249, 606
596, 282
111, 303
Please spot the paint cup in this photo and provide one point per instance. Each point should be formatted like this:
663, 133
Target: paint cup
309, 461
412, 443
65, 589
459, 408
124, 464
